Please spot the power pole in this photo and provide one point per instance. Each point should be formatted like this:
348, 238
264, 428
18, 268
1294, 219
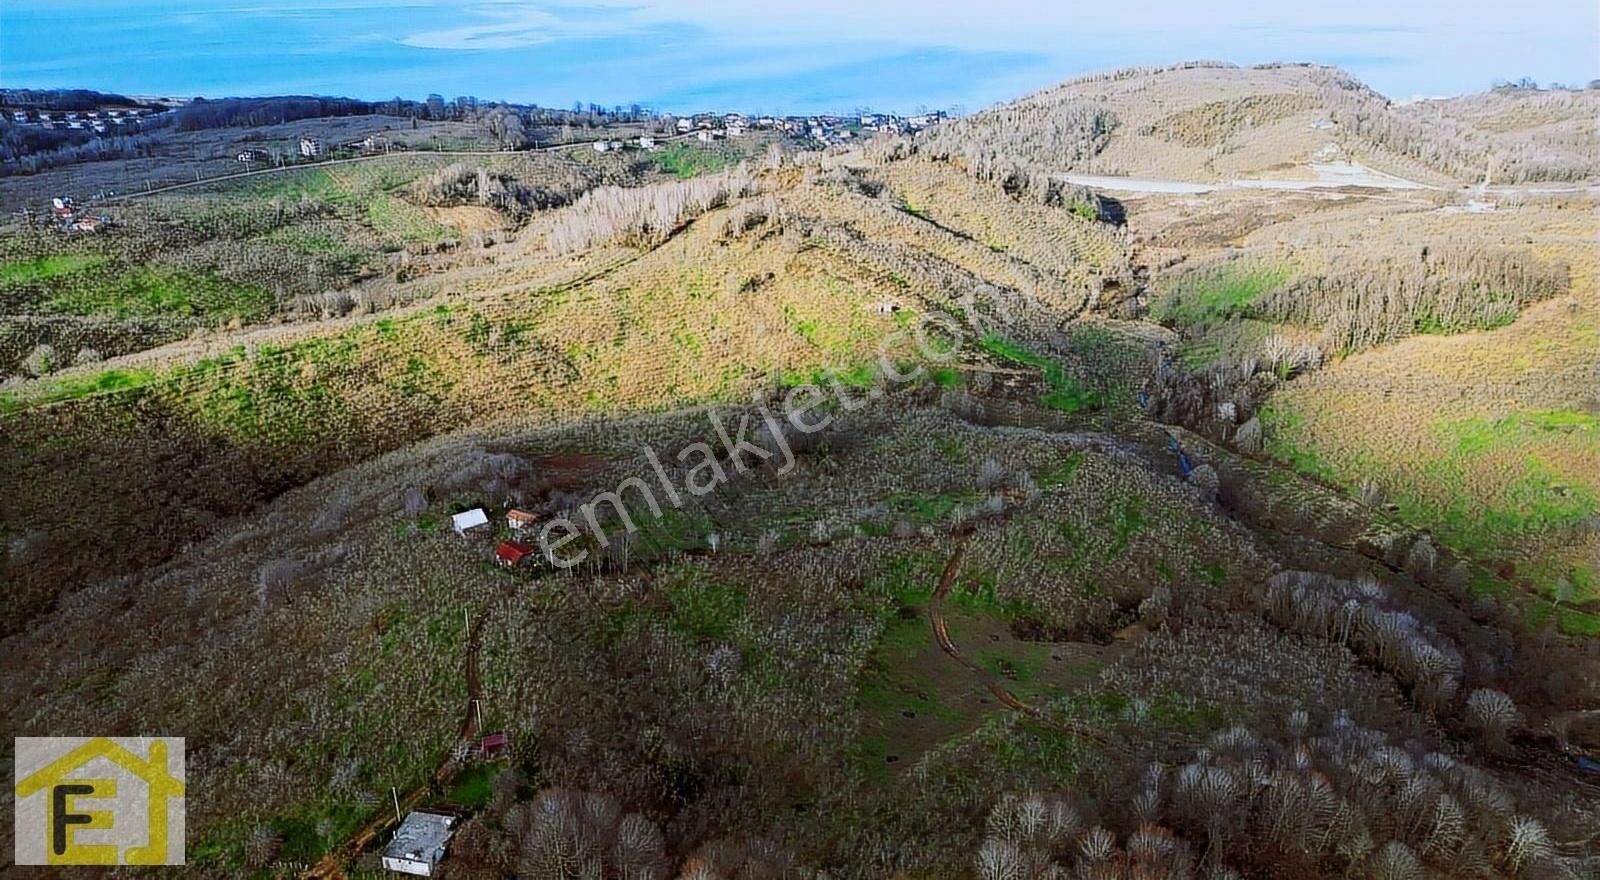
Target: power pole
395, 793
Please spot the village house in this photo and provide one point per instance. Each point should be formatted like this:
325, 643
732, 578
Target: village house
419, 843
511, 554
521, 519
647, 143
248, 156
685, 125
469, 520
602, 146
310, 147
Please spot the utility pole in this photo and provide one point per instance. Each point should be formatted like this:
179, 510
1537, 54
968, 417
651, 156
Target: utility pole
395, 793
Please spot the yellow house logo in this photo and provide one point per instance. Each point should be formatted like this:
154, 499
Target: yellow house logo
99, 800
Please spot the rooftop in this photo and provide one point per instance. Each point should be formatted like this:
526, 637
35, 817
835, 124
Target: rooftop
421, 837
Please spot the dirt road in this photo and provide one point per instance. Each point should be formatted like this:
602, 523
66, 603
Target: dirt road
941, 634
332, 865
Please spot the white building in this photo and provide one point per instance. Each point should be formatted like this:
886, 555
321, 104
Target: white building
310, 147
647, 143
467, 520
602, 146
419, 843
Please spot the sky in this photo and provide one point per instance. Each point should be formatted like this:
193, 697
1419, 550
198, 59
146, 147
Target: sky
765, 55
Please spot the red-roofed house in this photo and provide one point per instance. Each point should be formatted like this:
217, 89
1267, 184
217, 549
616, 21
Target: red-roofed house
521, 519
512, 554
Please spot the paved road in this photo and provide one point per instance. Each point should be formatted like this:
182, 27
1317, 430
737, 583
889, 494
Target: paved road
1325, 175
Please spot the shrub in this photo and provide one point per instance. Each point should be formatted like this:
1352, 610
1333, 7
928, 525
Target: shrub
1494, 716
644, 216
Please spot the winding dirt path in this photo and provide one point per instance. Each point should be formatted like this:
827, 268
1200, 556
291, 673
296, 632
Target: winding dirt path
331, 867
941, 634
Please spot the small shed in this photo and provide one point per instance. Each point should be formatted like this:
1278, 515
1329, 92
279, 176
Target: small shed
512, 553
495, 745
419, 843
468, 520
520, 520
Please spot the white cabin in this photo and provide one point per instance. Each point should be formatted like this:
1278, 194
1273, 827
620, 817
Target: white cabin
467, 520
419, 844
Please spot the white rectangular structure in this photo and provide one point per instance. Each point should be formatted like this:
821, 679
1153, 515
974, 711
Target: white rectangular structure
419, 843
467, 520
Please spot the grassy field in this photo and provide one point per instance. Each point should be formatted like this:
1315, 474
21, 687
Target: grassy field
1487, 438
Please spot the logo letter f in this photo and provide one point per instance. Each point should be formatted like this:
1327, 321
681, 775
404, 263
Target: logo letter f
61, 820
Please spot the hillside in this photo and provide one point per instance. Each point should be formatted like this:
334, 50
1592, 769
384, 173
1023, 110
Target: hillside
778, 282
1216, 123
1228, 533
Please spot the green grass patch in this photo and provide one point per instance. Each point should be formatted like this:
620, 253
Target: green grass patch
74, 387
474, 786
47, 267
148, 291
309, 833
706, 610
1466, 496
683, 161
1212, 296
1085, 210
1066, 393
398, 219
1062, 472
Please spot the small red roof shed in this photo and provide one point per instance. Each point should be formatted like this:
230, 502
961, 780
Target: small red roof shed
494, 744
512, 553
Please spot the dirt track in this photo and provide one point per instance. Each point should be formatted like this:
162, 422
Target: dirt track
331, 867
941, 634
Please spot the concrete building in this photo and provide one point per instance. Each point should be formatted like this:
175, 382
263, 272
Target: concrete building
419, 843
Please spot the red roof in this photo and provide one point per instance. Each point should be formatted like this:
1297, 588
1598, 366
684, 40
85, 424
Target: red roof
522, 517
496, 740
512, 552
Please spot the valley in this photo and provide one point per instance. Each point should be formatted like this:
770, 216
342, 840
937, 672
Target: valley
1188, 471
